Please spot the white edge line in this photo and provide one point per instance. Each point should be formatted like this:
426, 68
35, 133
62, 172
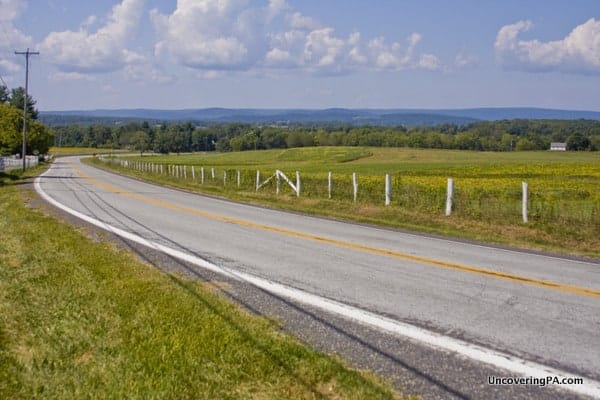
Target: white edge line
432, 339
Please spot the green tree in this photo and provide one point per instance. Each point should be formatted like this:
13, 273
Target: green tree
39, 138
16, 100
524, 144
141, 142
162, 142
595, 142
4, 97
11, 125
578, 142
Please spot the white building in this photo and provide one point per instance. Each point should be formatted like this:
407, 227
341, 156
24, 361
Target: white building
558, 146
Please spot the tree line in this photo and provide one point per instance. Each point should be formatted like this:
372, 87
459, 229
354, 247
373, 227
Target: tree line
508, 135
39, 138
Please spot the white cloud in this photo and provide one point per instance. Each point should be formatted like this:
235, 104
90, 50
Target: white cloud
464, 60
322, 48
70, 76
10, 37
578, 52
101, 51
278, 57
430, 62
275, 8
228, 35
8, 67
394, 56
303, 22
146, 72
11, 9
206, 34
89, 21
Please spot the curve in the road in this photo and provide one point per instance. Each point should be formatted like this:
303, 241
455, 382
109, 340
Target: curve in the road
355, 246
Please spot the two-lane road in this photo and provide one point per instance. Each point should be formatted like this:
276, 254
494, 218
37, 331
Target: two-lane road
542, 310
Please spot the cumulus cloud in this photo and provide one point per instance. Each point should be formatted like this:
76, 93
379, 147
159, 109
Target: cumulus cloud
317, 48
207, 34
147, 72
11, 38
229, 35
578, 52
101, 51
464, 60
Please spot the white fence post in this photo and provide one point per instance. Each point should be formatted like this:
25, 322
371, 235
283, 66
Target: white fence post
388, 189
185, 172
224, 178
212, 173
257, 180
525, 201
278, 180
239, 178
202, 175
449, 196
298, 183
329, 184
355, 185
193, 173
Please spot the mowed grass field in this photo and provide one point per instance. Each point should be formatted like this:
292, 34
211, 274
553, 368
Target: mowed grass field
80, 318
564, 189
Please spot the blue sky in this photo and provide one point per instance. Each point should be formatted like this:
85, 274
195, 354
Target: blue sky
304, 54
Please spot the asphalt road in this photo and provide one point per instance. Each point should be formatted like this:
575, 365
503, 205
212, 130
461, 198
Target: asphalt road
537, 309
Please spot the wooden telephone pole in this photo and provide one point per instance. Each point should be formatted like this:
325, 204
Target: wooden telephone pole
25, 98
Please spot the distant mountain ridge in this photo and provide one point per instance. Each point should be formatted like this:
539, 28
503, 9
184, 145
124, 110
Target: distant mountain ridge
382, 117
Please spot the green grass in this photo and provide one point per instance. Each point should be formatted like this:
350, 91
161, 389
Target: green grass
564, 205
82, 319
71, 151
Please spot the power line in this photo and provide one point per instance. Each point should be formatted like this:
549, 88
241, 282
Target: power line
26, 53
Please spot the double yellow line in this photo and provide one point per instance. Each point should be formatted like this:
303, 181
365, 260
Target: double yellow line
349, 245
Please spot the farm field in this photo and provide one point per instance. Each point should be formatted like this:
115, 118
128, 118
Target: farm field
563, 205
72, 151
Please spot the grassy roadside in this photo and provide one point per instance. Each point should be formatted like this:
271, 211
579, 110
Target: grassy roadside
565, 233
81, 319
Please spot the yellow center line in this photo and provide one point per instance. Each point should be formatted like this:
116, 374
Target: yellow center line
349, 245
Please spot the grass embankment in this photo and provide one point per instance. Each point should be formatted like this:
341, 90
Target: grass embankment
82, 319
564, 198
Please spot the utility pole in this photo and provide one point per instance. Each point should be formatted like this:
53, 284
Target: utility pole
26, 54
